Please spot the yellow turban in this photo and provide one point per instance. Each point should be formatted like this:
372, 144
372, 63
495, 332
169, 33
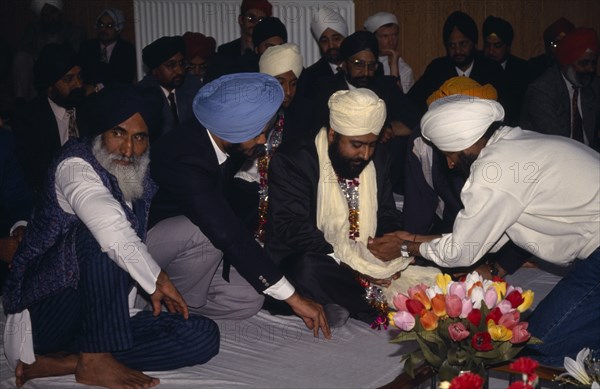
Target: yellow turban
463, 86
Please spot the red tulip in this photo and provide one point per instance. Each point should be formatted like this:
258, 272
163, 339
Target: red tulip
524, 365
474, 317
453, 305
415, 307
520, 333
482, 341
458, 332
495, 315
515, 298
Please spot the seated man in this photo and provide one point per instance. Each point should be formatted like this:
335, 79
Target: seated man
199, 50
328, 198
67, 291
516, 190
195, 225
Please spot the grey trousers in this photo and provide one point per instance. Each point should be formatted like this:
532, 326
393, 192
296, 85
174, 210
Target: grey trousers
195, 267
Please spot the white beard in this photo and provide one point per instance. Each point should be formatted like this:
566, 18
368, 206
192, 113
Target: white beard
130, 177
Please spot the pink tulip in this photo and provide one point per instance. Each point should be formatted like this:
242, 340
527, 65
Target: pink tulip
454, 305
509, 319
467, 307
458, 332
458, 289
491, 297
400, 302
520, 333
404, 320
505, 306
415, 289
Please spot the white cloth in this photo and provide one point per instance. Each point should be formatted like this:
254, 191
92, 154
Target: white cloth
281, 59
454, 123
37, 5
328, 18
407, 79
540, 191
356, 112
62, 121
379, 19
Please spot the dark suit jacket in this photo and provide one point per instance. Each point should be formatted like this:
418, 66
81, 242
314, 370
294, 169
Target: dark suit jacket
37, 139
120, 69
441, 69
231, 50
185, 166
547, 106
518, 76
308, 83
184, 96
292, 217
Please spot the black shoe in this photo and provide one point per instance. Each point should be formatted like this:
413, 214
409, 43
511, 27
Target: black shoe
336, 315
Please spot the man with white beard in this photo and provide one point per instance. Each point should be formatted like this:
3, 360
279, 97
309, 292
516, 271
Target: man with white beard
67, 291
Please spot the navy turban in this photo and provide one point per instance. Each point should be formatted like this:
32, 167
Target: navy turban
500, 27
464, 23
54, 62
161, 50
267, 28
359, 41
237, 107
116, 103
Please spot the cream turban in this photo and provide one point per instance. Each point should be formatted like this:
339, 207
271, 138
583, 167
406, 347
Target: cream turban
328, 18
356, 112
373, 23
281, 59
455, 123
37, 5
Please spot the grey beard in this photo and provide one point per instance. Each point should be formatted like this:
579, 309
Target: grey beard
131, 177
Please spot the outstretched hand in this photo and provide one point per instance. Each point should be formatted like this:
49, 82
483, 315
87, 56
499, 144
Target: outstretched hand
167, 293
385, 248
311, 313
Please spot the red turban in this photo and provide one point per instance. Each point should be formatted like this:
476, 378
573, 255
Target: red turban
197, 44
561, 26
575, 44
262, 5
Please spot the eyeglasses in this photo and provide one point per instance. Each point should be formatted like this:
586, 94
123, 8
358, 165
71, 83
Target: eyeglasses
172, 65
254, 19
359, 63
102, 26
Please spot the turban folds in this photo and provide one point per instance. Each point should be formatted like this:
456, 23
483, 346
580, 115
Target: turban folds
359, 41
267, 28
116, 15
37, 5
328, 18
463, 86
281, 59
54, 62
500, 27
356, 112
455, 123
199, 45
464, 23
262, 5
374, 22
558, 28
575, 44
161, 50
237, 107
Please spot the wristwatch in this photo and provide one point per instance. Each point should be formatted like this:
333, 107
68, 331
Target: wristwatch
404, 249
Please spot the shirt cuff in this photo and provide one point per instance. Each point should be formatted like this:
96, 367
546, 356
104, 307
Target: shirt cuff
20, 223
282, 290
332, 255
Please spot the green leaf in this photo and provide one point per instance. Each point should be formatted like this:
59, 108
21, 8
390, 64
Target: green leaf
414, 359
431, 356
404, 337
447, 371
492, 354
534, 340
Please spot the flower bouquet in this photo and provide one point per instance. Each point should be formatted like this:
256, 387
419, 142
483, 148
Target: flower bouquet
584, 371
462, 326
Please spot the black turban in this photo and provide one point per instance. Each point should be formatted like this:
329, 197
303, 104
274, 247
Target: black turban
359, 41
464, 23
268, 28
116, 103
161, 50
500, 27
54, 62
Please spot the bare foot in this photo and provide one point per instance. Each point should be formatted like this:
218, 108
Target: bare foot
50, 365
102, 369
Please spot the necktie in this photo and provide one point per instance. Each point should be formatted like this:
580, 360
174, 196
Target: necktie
72, 123
577, 122
173, 107
104, 55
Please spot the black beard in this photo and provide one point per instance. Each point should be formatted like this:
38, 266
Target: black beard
74, 99
463, 166
347, 168
359, 82
465, 62
332, 56
235, 151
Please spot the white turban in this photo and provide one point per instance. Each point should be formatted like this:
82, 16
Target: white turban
37, 5
281, 59
373, 23
328, 18
116, 15
356, 112
455, 123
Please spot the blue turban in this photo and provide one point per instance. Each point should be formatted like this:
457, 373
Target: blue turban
237, 107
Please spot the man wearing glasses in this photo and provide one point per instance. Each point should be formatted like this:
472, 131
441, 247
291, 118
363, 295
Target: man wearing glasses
166, 72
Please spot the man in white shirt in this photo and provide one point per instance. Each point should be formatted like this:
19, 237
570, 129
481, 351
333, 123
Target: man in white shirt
67, 291
518, 189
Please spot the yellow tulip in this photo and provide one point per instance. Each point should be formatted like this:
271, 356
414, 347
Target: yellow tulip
442, 280
527, 301
499, 333
500, 288
391, 319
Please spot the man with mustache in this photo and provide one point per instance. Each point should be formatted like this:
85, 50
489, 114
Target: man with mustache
47, 122
565, 100
67, 294
460, 37
165, 61
196, 235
